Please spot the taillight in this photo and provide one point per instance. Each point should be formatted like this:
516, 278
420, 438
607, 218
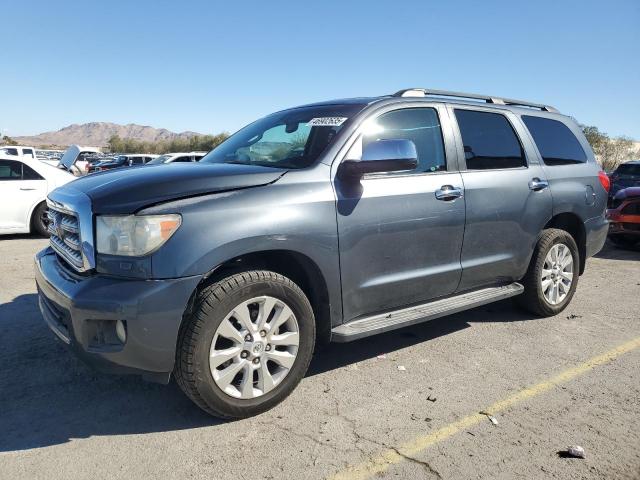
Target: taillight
604, 180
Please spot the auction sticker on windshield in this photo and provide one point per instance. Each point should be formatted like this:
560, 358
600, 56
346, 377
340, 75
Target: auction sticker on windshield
327, 121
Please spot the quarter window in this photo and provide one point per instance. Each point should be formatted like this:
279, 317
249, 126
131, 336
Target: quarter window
556, 143
489, 141
29, 173
420, 125
10, 170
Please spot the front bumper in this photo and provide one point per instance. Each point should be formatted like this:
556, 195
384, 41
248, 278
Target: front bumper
80, 310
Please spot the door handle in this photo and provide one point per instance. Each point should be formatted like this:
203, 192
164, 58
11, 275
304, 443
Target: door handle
536, 184
26, 189
448, 192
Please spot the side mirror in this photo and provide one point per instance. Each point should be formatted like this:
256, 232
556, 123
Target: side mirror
383, 156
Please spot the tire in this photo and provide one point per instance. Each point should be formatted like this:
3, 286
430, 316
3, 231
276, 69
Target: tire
205, 331
534, 299
38, 220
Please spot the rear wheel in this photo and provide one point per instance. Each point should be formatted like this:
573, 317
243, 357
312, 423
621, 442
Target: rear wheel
552, 277
246, 345
40, 220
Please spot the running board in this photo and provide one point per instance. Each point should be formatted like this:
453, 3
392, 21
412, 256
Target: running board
385, 322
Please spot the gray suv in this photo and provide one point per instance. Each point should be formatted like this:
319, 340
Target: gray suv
327, 222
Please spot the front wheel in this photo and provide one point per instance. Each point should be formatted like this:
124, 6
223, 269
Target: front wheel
246, 344
552, 277
40, 220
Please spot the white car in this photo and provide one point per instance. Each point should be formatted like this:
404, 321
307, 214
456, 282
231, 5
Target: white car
24, 186
177, 157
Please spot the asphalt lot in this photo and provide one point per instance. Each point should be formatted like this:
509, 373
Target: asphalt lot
550, 383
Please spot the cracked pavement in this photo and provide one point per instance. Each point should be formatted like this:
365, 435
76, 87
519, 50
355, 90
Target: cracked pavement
59, 419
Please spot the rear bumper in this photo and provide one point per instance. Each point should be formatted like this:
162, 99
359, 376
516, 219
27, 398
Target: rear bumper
596, 230
83, 310
621, 224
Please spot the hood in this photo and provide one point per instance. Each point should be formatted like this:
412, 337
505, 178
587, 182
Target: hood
127, 190
631, 192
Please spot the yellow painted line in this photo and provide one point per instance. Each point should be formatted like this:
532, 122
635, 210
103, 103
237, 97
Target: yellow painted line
390, 457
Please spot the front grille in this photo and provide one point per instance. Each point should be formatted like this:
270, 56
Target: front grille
64, 231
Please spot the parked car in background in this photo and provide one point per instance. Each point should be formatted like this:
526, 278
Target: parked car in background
24, 185
625, 175
75, 160
177, 157
18, 151
119, 161
624, 217
328, 222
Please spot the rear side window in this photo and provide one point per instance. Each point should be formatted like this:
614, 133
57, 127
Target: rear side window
29, 173
183, 159
556, 143
489, 141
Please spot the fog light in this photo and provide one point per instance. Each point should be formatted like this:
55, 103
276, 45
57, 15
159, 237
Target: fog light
121, 331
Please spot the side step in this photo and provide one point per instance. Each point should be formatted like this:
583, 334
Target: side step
385, 322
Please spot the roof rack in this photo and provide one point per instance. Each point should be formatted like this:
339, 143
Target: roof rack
423, 92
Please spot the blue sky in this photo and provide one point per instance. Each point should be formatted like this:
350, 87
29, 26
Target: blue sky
210, 67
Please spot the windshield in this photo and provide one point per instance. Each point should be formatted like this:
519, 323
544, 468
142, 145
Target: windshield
160, 159
289, 139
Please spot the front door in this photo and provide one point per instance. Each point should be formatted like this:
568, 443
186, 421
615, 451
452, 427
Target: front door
399, 243
20, 190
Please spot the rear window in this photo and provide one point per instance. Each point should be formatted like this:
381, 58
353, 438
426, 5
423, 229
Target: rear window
556, 143
489, 141
628, 169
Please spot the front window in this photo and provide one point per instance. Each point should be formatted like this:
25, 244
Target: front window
289, 139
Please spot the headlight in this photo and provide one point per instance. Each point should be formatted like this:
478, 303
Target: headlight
134, 235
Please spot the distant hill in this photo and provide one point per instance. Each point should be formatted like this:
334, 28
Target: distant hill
96, 134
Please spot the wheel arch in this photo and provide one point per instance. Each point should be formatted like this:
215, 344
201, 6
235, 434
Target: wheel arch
574, 226
296, 266
32, 211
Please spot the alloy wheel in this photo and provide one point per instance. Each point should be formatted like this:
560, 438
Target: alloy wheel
557, 274
254, 347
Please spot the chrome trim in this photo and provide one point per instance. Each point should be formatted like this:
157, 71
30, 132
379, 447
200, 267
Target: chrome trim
73, 202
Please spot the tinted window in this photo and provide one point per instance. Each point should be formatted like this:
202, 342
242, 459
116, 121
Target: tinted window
183, 159
489, 141
27, 152
10, 170
556, 143
420, 125
29, 173
11, 151
628, 169
136, 160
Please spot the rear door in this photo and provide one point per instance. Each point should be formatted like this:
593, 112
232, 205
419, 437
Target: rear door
508, 200
400, 244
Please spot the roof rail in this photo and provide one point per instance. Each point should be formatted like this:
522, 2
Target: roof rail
423, 92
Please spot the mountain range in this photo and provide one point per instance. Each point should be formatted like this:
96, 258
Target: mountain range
97, 134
